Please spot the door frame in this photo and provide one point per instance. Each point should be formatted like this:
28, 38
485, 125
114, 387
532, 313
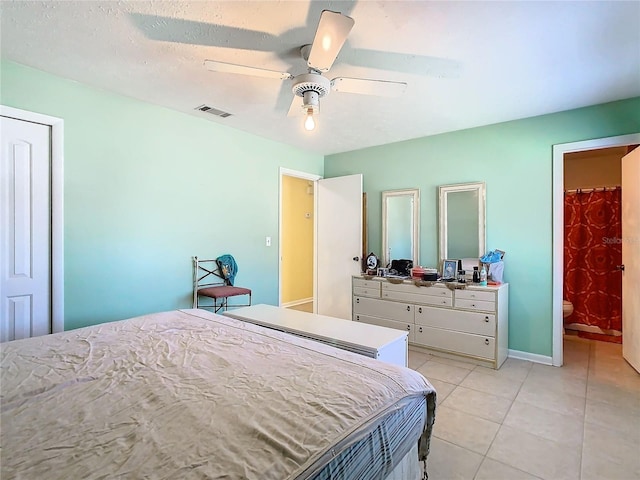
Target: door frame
57, 206
313, 178
558, 226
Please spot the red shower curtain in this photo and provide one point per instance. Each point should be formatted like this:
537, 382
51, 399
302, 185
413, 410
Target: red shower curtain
592, 249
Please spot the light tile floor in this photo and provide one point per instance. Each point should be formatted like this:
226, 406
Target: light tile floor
531, 421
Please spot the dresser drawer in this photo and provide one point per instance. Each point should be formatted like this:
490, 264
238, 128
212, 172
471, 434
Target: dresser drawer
362, 283
420, 299
456, 342
409, 292
401, 312
383, 322
461, 321
434, 291
367, 291
479, 305
487, 296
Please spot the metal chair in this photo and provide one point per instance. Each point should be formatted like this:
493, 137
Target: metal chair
213, 282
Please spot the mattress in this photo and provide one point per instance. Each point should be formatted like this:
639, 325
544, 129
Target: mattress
192, 394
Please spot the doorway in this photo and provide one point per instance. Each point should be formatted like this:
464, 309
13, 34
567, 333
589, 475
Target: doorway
337, 241
296, 242
54, 256
592, 293
559, 152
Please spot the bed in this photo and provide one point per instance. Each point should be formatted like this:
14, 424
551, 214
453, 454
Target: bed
192, 394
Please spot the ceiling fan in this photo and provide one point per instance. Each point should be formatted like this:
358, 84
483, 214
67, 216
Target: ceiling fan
308, 88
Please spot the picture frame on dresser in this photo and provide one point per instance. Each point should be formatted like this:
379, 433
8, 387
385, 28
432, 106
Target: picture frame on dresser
449, 269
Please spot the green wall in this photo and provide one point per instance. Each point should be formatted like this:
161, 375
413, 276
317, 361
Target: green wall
515, 160
146, 188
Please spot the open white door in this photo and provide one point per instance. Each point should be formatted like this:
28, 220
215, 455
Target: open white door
338, 243
631, 258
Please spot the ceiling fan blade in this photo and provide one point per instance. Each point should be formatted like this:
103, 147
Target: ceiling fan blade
380, 88
244, 70
190, 32
331, 34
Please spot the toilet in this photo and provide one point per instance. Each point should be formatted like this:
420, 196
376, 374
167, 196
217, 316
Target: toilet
567, 308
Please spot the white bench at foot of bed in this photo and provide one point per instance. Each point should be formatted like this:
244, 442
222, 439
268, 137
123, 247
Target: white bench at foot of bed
386, 344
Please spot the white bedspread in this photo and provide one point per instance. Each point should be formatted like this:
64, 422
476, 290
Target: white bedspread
184, 394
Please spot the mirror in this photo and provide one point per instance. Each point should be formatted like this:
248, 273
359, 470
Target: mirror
462, 221
400, 225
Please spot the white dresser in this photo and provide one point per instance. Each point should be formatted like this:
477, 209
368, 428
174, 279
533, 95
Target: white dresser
471, 322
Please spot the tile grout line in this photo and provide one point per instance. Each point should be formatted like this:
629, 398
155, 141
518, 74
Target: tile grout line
507, 414
586, 393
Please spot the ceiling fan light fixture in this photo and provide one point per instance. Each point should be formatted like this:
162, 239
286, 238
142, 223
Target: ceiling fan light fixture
310, 99
309, 122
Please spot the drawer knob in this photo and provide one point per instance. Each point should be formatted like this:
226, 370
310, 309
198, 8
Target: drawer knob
408, 308
420, 310
420, 329
486, 341
473, 305
409, 327
357, 300
486, 319
357, 318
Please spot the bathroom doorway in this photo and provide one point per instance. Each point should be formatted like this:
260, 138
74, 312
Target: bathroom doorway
583, 152
592, 275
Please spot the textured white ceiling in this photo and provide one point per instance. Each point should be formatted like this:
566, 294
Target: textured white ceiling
466, 63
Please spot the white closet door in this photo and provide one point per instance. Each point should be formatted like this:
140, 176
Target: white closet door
25, 219
339, 243
631, 258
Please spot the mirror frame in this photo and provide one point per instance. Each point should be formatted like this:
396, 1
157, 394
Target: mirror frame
407, 192
443, 191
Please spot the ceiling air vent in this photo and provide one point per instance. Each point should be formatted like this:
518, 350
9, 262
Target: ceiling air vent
213, 111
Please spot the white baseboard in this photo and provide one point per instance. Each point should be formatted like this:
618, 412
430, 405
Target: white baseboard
532, 357
297, 302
